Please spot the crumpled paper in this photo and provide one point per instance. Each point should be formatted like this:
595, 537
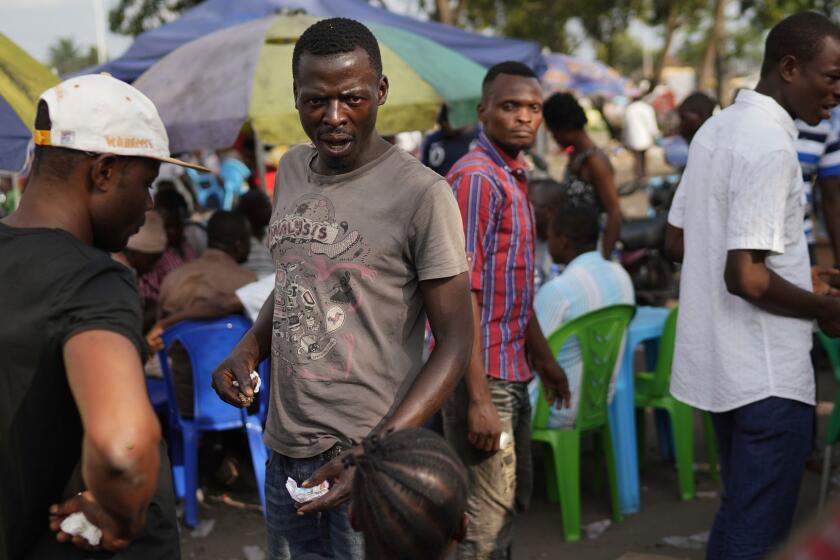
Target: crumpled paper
78, 524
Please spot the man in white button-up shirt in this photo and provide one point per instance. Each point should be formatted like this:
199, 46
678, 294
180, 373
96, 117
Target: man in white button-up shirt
747, 302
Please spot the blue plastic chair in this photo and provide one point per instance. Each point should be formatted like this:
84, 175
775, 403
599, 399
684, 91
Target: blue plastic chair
208, 191
207, 343
233, 173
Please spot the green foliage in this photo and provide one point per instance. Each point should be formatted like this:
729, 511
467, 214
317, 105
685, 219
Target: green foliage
132, 17
627, 55
541, 21
767, 13
66, 57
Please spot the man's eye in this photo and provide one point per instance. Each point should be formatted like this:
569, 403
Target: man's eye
315, 101
354, 100
507, 106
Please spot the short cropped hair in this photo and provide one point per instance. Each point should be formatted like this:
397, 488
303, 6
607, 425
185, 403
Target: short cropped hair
801, 35
577, 222
562, 112
699, 103
336, 36
510, 67
225, 229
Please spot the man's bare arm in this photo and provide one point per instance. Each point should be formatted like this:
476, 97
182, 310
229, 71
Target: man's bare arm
205, 309
747, 276
254, 347
448, 308
121, 432
674, 243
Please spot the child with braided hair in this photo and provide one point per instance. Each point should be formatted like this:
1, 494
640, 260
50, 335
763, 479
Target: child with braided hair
409, 496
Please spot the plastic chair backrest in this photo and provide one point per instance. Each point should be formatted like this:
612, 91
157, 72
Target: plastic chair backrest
599, 334
208, 191
832, 349
233, 173
662, 376
207, 343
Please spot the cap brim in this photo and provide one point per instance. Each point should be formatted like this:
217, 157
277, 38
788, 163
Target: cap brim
181, 163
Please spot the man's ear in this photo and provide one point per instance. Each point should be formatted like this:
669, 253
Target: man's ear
103, 171
383, 89
788, 68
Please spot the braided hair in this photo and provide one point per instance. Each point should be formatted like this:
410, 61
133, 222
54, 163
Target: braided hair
409, 494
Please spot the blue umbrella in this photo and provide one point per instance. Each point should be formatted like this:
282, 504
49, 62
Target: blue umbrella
584, 77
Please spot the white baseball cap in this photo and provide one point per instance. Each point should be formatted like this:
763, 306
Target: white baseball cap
101, 114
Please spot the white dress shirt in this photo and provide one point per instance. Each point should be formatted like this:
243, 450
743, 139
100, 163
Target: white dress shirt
742, 189
640, 128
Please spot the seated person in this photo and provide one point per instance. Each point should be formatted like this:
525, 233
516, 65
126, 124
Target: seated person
588, 283
543, 194
443, 147
409, 496
256, 206
142, 252
213, 277
173, 209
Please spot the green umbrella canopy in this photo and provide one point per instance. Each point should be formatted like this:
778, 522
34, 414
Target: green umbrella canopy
207, 89
22, 81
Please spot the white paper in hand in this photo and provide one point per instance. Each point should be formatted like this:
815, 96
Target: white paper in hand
78, 524
303, 495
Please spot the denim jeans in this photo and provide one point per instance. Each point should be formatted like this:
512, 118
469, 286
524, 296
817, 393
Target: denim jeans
763, 447
500, 483
290, 536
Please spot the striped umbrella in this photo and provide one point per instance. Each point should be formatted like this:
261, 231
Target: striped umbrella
209, 88
22, 80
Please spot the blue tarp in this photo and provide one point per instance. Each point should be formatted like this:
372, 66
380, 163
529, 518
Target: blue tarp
213, 15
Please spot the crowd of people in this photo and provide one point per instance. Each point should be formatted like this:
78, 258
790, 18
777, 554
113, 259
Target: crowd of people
362, 250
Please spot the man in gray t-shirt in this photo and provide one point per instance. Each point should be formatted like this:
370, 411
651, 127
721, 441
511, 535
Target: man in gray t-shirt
368, 244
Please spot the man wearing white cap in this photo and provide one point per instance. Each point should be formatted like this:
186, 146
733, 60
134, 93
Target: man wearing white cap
71, 378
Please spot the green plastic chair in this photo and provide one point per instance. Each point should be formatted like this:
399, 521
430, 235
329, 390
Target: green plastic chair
599, 334
652, 390
832, 349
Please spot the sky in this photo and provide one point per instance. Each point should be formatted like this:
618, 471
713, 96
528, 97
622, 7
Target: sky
35, 25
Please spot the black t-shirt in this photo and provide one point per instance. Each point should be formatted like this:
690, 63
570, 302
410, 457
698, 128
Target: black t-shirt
440, 152
52, 287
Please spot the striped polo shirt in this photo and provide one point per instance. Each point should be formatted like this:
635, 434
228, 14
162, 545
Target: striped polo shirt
492, 192
588, 283
818, 149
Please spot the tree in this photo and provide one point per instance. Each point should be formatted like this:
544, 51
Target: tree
627, 58
604, 22
712, 58
132, 17
671, 15
65, 56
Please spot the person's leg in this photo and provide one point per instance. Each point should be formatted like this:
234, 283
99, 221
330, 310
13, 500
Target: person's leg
492, 477
722, 423
522, 441
289, 535
770, 443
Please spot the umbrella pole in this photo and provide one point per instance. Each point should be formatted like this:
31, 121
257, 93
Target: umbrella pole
259, 152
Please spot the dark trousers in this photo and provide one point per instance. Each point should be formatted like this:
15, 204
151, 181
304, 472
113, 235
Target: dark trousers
763, 447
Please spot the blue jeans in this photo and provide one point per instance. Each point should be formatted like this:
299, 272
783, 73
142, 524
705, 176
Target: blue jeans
290, 537
763, 447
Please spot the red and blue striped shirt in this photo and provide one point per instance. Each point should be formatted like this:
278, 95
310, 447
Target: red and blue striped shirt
492, 192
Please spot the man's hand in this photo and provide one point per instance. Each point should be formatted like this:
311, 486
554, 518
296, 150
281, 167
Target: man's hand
154, 338
483, 425
115, 534
555, 383
341, 484
232, 379
825, 281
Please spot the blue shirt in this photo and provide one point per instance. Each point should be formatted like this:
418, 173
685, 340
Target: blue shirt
818, 149
588, 283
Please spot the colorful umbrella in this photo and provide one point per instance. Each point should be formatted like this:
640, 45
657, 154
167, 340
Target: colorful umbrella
585, 77
207, 89
22, 80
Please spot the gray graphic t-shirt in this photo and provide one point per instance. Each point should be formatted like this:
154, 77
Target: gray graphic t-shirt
350, 251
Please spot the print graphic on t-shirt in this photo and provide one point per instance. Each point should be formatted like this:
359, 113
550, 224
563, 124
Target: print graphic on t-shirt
320, 263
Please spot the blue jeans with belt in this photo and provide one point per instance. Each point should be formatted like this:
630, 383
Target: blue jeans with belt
291, 537
763, 447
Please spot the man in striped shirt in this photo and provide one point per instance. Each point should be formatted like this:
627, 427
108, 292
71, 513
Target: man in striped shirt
490, 409
818, 148
588, 283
